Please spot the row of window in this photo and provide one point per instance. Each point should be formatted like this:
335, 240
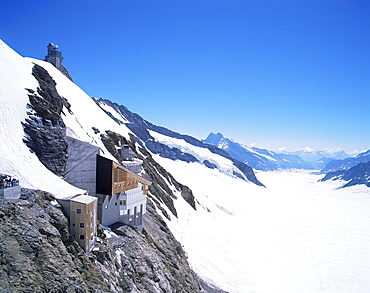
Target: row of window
82, 225
121, 202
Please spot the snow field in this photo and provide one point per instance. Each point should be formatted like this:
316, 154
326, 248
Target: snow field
295, 235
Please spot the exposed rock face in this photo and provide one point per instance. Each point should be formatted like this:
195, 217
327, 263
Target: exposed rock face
65, 72
48, 142
37, 253
45, 127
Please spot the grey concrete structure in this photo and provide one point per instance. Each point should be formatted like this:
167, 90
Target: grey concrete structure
80, 169
82, 213
13, 192
54, 56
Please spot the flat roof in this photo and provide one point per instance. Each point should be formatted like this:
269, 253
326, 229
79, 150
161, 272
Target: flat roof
84, 199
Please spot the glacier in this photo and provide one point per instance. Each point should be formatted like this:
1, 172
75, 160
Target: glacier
297, 235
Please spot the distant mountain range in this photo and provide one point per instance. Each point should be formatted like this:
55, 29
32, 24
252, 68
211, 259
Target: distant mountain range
310, 155
259, 159
354, 170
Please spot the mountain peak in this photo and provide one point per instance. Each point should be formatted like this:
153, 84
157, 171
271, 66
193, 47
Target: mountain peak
213, 138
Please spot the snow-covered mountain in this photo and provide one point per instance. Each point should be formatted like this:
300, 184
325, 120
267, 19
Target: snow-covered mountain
346, 163
358, 174
259, 159
354, 170
295, 235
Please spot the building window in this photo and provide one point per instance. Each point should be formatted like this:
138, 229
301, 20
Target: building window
78, 211
82, 225
115, 203
73, 224
82, 237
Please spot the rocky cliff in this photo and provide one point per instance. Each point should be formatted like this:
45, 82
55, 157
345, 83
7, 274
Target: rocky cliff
45, 128
37, 253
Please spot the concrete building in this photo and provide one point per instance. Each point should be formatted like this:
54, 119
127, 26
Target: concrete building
82, 212
83, 220
120, 190
80, 169
54, 56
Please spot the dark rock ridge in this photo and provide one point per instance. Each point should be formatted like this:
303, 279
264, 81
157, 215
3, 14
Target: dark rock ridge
140, 127
359, 174
260, 159
45, 130
37, 253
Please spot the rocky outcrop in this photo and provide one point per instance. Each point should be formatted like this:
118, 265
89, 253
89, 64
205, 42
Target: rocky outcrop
45, 135
37, 253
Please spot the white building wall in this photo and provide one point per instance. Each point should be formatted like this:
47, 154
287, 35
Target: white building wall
110, 210
132, 210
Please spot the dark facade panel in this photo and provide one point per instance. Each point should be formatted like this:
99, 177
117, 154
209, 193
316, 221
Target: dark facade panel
104, 175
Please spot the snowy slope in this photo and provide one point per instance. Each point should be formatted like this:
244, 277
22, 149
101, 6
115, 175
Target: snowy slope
15, 157
296, 235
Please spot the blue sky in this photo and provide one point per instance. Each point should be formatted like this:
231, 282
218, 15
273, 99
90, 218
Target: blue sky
275, 73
